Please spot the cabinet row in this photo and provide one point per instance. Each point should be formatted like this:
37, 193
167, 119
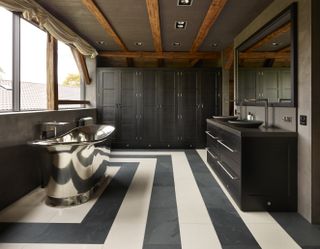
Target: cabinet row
273, 84
158, 109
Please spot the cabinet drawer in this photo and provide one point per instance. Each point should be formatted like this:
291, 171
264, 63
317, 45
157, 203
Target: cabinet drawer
228, 179
230, 150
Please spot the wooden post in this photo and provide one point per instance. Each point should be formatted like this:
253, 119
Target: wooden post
52, 73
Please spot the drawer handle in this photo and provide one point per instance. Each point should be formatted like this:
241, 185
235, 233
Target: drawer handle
227, 172
215, 157
226, 146
209, 134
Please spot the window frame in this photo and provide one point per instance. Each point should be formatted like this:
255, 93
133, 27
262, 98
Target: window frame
16, 71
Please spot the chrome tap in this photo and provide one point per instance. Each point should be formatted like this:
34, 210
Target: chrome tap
266, 109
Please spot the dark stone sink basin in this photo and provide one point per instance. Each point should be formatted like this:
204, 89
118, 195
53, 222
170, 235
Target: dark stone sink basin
246, 123
225, 118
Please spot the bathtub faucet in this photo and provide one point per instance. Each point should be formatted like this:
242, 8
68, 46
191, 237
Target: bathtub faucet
50, 127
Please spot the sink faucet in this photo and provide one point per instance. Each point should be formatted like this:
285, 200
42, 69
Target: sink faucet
266, 110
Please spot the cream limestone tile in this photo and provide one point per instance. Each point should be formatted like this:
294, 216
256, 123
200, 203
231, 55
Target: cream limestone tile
10, 246
61, 246
196, 228
272, 236
128, 228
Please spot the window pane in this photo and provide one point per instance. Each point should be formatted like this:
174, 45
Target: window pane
68, 76
5, 60
33, 67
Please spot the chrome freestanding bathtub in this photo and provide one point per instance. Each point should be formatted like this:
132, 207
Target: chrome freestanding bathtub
79, 160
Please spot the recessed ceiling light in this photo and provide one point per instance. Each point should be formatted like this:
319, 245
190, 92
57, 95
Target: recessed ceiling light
275, 44
214, 44
184, 2
139, 44
176, 44
101, 42
181, 24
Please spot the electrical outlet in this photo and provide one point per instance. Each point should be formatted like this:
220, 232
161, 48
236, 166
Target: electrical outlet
303, 119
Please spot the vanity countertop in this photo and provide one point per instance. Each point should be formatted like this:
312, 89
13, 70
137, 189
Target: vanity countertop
252, 132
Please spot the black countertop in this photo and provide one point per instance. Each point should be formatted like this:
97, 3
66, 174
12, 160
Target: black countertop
252, 132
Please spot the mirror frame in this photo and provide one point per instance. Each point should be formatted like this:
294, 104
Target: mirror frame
292, 10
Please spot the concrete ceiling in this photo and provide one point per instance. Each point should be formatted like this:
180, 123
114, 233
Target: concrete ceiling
129, 18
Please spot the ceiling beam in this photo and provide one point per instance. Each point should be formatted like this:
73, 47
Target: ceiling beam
268, 38
264, 55
285, 49
162, 55
193, 62
212, 15
228, 57
97, 13
154, 19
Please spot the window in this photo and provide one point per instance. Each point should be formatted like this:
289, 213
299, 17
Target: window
23, 62
68, 76
6, 28
33, 76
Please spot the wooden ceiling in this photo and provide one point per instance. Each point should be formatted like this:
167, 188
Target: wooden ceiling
116, 27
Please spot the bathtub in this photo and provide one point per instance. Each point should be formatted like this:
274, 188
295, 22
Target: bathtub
79, 159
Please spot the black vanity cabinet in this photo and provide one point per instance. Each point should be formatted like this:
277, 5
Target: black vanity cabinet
158, 108
257, 166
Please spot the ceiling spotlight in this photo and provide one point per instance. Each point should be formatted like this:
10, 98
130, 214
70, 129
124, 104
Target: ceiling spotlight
214, 44
139, 44
275, 44
180, 24
184, 2
176, 44
101, 42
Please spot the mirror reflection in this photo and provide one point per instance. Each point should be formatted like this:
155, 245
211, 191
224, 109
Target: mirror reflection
264, 65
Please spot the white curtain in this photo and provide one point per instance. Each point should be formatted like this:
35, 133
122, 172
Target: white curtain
32, 11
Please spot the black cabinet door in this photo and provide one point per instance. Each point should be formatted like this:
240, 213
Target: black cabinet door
208, 101
187, 119
148, 127
167, 107
127, 115
108, 99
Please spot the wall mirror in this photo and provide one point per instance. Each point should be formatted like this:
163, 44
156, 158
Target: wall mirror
266, 63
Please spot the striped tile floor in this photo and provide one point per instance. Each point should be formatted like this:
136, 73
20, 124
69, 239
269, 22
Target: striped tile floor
153, 200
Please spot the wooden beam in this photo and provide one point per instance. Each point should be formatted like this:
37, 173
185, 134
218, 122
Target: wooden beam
73, 102
194, 62
268, 38
97, 13
228, 58
82, 65
52, 73
285, 49
154, 19
162, 55
264, 55
212, 15
129, 62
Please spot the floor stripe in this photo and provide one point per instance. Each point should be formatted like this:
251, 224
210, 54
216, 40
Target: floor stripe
196, 227
32, 208
128, 228
231, 230
267, 232
305, 234
93, 229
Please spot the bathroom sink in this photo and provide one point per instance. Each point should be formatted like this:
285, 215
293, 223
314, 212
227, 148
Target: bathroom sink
246, 123
225, 118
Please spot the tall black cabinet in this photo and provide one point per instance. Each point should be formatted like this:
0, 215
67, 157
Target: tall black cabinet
158, 108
